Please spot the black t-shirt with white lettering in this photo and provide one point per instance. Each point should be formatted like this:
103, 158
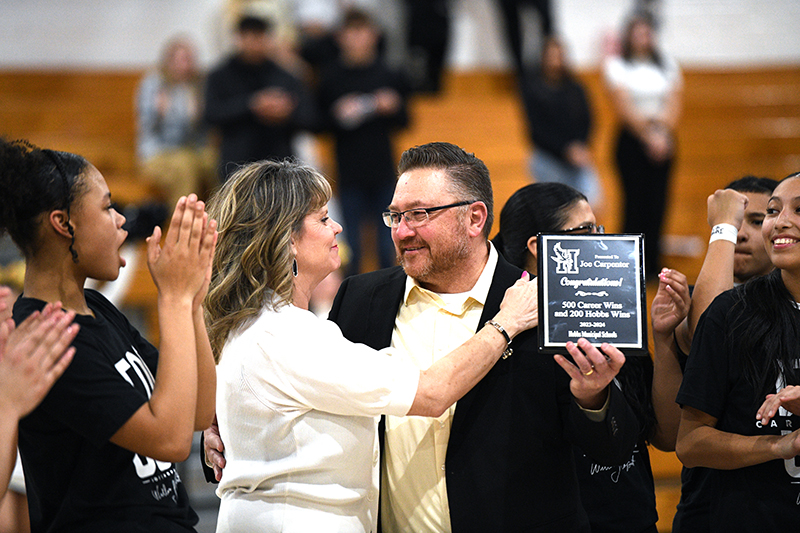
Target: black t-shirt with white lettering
762, 497
76, 479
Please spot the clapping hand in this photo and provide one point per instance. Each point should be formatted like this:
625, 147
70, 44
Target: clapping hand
671, 303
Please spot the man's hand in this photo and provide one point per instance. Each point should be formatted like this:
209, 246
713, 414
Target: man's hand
213, 449
592, 372
273, 105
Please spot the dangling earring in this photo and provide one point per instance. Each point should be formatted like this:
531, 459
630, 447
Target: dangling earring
294, 267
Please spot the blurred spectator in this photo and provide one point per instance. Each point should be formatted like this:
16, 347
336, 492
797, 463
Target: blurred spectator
364, 103
428, 34
522, 36
172, 144
317, 21
645, 88
256, 104
559, 120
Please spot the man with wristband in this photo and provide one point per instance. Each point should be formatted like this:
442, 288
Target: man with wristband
736, 251
736, 254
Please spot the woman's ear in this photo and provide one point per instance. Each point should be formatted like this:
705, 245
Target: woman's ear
533, 249
59, 220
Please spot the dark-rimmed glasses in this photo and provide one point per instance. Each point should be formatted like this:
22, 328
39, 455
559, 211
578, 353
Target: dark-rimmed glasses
418, 216
586, 228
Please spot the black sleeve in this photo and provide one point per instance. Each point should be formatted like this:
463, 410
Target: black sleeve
610, 441
305, 115
400, 118
710, 368
583, 122
224, 104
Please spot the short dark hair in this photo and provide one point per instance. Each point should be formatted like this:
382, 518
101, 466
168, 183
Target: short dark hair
468, 175
253, 24
536, 208
35, 181
355, 17
753, 184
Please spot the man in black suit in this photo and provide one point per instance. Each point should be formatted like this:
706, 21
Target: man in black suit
501, 459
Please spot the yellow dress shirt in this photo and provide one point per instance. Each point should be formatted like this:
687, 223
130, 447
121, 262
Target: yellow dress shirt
428, 327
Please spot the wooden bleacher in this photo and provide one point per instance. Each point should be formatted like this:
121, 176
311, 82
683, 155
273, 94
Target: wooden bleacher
735, 121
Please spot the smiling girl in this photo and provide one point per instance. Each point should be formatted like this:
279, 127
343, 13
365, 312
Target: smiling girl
740, 387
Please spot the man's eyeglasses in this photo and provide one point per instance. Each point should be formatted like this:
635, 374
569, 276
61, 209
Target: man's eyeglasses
586, 228
418, 216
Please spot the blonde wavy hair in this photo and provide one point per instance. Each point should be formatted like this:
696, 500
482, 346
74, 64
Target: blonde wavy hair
258, 210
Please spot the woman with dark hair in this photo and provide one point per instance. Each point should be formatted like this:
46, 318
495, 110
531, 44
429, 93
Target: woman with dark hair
559, 123
97, 453
739, 397
298, 404
618, 498
645, 88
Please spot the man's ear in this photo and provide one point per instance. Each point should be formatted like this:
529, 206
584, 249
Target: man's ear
533, 248
478, 214
59, 221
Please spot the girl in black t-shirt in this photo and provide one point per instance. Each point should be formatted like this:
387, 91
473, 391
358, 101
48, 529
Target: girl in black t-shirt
97, 453
740, 393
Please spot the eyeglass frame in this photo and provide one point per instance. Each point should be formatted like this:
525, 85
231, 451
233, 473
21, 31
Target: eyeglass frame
591, 226
388, 221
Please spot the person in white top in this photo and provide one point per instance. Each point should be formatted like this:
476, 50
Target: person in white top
298, 404
645, 87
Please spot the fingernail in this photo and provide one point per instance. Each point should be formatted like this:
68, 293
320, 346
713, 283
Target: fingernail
523, 273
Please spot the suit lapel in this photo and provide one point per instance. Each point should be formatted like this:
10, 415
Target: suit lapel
382, 307
505, 275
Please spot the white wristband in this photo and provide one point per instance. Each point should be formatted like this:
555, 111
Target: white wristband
725, 232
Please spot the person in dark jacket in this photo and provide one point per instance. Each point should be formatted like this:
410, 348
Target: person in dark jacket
256, 105
363, 102
559, 122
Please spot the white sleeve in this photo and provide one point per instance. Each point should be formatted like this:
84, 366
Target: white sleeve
308, 364
614, 72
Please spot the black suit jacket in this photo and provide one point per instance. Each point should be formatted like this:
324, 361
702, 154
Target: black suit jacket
509, 462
